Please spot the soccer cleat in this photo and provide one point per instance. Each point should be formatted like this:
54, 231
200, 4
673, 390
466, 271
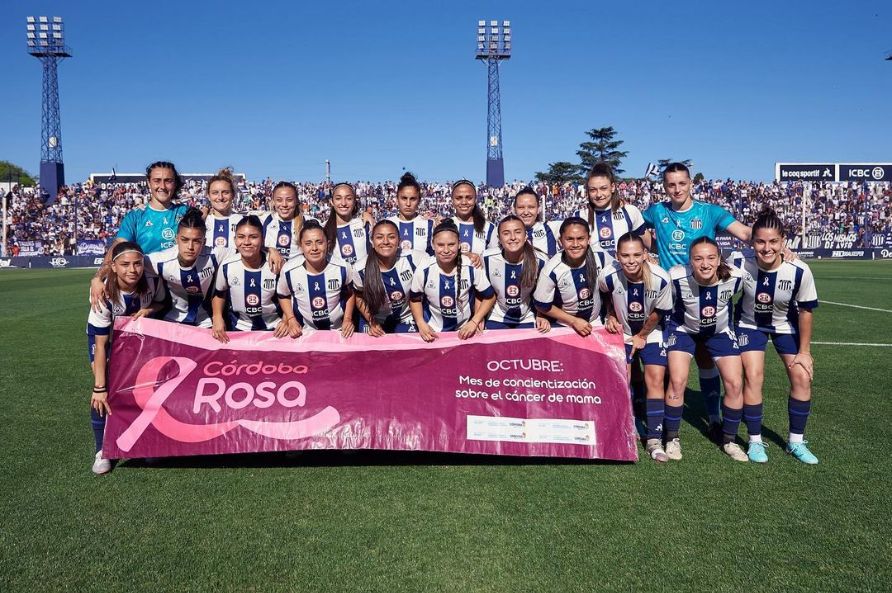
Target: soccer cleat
735, 452
673, 449
100, 465
655, 450
801, 452
757, 452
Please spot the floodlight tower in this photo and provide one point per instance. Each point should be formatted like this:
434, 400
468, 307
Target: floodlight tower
493, 46
46, 42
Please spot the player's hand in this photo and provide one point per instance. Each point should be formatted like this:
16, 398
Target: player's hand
612, 325
99, 402
281, 329
219, 332
789, 254
582, 327
543, 326
347, 328
476, 260
205, 210
368, 218
375, 329
468, 329
276, 261
638, 344
97, 294
141, 313
804, 360
295, 329
427, 334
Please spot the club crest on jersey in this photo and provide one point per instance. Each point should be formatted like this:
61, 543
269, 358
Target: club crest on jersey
235, 281
118, 309
665, 220
252, 299
697, 224
284, 240
318, 302
513, 290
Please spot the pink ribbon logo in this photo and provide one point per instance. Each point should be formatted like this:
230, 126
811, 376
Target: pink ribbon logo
151, 401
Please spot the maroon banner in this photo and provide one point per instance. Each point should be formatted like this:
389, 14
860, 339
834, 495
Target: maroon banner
174, 390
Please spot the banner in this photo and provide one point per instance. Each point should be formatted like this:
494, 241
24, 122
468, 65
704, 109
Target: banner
29, 248
174, 390
91, 247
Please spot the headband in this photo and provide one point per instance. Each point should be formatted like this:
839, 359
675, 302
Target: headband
127, 251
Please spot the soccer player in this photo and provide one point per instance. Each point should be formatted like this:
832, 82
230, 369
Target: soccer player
567, 290
415, 231
447, 293
245, 290
607, 213
152, 228
221, 220
315, 290
475, 232
544, 236
677, 223
187, 270
282, 225
129, 292
778, 300
641, 296
702, 293
347, 233
513, 271
382, 282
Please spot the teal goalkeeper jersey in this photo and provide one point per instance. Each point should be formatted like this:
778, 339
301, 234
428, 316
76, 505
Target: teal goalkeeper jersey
675, 231
153, 230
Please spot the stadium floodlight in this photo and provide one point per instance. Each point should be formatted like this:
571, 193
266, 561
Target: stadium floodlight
493, 46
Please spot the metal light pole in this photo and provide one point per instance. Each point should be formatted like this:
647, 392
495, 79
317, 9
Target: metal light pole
46, 42
493, 46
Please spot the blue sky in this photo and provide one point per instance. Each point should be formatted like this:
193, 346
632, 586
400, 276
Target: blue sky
275, 88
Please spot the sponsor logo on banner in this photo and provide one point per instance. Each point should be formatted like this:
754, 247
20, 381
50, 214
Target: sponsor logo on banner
58, 262
6, 263
98, 261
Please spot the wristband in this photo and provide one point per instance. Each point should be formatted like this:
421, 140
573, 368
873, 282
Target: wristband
99, 389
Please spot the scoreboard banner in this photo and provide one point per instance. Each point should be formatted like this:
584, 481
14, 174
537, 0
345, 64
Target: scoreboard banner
175, 390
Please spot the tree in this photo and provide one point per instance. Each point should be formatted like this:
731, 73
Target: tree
15, 174
601, 148
560, 173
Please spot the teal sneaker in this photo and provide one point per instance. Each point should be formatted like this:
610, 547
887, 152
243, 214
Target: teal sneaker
757, 452
801, 452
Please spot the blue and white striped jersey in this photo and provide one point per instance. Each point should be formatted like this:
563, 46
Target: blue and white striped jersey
353, 240
415, 235
568, 289
100, 323
514, 303
771, 300
633, 302
610, 226
397, 285
221, 230
283, 235
474, 242
250, 294
545, 236
703, 310
318, 299
188, 291
445, 308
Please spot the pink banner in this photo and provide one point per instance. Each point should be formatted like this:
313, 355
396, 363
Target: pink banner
174, 390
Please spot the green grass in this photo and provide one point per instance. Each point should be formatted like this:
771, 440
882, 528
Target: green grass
404, 522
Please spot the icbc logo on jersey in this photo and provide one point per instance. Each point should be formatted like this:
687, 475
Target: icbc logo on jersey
584, 294
635, 307
406, 245
318, 302
220, 241
763, 297
447, 301
605, 232
513, 290
465, 247
347, 249
252, 300
284, 240
396, 296
707, 315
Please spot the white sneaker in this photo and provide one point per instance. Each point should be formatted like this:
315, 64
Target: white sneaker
655, 449
673, 449
100, 465
735, 452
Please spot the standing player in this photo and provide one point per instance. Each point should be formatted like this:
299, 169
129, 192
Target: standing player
382, 282
221, 220
702, 293
567, 290
475, 232
128, 292
777, 303
513, 271
414, 230
544, 236
448, 294
607, 214
347, 233
677, 223
282, 225
640, 297
315, 289
186, 271
245, 290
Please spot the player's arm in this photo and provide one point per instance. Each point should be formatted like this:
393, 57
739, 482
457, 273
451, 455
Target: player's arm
740, 231
582, 327
347, 327
427, 334
291, 325
99, 401
275, 260
806, 322
639, 340
97, 284
482, 308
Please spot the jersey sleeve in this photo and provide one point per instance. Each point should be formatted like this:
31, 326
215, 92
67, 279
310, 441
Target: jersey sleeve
160, 293
99, 322
722, 219
222, 283
283, 287
127, 230
417, 289
663, 303
602, 281
807, 296
636, 220
492, 239
357, 281
481, 284
543, 296
648, 217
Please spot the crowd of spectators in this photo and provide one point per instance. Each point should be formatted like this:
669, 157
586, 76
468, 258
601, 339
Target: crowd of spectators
860, 209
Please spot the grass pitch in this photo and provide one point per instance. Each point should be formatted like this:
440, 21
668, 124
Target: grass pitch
420, 522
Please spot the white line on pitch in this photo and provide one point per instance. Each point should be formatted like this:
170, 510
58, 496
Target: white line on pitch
858, 307
852, 344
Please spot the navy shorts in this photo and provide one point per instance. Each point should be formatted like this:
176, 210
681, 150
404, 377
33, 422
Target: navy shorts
652, 354
719, 344
752, 340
